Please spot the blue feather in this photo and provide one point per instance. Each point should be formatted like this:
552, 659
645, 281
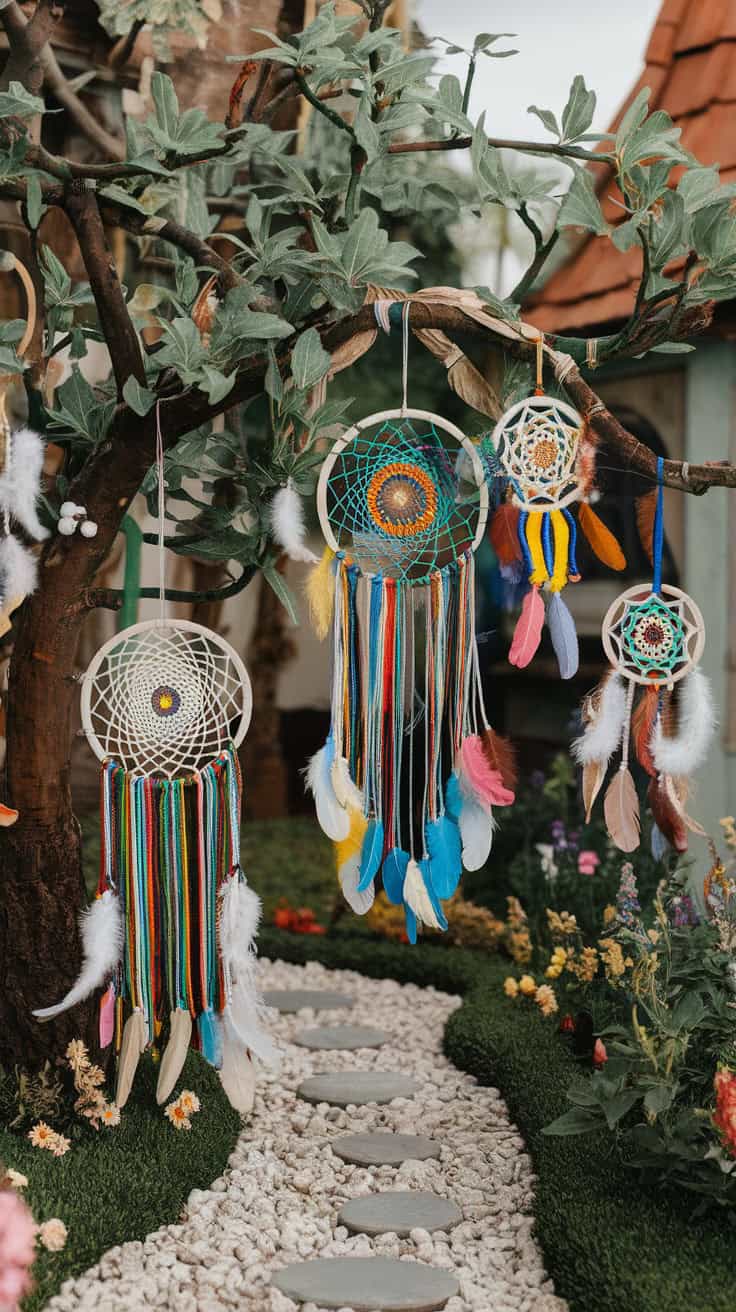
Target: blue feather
660, 846
564, 636
442, 837
426, 868
210, 1038
393, 874
411, 924
453, 797
370, 854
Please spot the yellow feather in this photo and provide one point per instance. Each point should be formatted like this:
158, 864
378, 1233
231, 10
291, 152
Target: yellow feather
321, 594
561, 534
351, 846
539, 574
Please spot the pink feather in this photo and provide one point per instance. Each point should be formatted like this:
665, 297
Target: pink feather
528, 631
487, 784
107, 1016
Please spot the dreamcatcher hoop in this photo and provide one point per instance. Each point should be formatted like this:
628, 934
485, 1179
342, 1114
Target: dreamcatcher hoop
425, 493
537, 424
165, 697
633, 650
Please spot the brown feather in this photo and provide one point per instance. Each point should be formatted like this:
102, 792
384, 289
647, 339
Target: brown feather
586, 463
175, 1054
642, 727
135, 1038
601, 539
646, 509
666, 816
501, 755
593, 775
504, 534
678, 790
621, 810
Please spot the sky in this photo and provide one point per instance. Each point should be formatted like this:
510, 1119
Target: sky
556, 39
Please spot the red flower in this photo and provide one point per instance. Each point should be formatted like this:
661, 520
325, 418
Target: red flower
725, 1114
600, 1056
282, 917
567, 1025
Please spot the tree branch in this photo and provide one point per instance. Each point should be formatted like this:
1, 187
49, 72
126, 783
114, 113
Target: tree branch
122, 339
542, 249
502, 143
112, 598
204, 255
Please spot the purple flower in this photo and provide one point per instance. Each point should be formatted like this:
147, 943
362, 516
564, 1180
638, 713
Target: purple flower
537, 779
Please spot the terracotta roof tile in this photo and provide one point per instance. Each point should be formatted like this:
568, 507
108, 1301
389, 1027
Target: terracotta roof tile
691, 69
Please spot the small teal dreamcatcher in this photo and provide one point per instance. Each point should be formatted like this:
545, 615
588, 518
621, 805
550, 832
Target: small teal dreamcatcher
407, 779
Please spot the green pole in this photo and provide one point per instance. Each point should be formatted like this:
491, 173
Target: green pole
132, 578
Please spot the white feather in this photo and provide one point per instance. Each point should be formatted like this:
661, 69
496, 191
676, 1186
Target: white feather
684, 752
417, 898
245, 1012
237, 1073
346, 791
101, 929
476, 826
286, 518
349, 876
18, 569
20, 481
333, 819
603, 734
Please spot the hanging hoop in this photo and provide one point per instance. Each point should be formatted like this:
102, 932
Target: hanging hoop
653, 639
165, 697
400, 501
536, 441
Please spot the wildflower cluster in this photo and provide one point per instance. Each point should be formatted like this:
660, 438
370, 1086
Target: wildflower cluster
724, 1117
527, 987
298, 920
518, 942
91, 1102
468, 925
181, 1111
43, 1136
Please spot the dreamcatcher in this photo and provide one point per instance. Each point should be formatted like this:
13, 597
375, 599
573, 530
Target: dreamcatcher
410, 772
165, 705
655, 698
545, 454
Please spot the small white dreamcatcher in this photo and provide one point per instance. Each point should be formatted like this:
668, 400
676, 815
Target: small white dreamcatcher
165, 705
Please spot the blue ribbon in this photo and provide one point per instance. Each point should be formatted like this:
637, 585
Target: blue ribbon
658, 536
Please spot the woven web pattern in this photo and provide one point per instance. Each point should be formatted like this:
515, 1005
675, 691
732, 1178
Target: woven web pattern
653, 638
538, 450
402, 500
166, 700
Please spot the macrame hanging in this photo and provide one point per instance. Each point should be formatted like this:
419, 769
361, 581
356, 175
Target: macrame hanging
653, 699
406, 782
165, 704
548, 460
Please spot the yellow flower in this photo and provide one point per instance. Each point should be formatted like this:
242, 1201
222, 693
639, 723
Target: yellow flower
110, 1114
653, 935
553, 972
510, 987
189, 1102
77, 1055
52, 1234
527, 985
609, 914
177, 1116
42, 1136
546, 1000
613, 959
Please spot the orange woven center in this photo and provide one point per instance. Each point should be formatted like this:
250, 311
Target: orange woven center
402, 499
544, 453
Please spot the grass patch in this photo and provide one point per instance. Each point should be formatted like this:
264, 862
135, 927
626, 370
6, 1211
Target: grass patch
610, 1242
121, 1184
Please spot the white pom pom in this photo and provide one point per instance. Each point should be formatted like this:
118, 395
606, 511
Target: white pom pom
80, 511
66, 525
67, 509
88, 529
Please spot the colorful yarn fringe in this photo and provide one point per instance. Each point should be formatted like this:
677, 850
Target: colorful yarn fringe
168, 846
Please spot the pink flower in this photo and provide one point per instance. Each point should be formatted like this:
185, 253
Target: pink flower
588, 862
600, 1056
17, 1247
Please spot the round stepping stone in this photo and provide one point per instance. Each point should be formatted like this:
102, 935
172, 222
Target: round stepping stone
399, 1213
381, 1148
292, 1000
367, 1284
344, 1087
341, 1038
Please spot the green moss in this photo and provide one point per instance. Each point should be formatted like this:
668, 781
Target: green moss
610, 1242
122, 1183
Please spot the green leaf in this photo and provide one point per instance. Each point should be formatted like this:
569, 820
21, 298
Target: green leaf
366, 131
502, 309
672, 348
702, 186
276, 581
660, 1098
181, 348
165, 102
577, 115
112, 191
309, 360
485, 39
404, 72
634, 116
19, 103
548, 119
76, 407
216, 384
615, 1108
57, 283
35, 207
580, 208
578, 1120
656, 137
273, 382
140, 399
668, 230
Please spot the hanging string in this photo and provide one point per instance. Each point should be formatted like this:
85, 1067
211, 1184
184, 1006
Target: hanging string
161, 515
404, 356
539, 387
658, 536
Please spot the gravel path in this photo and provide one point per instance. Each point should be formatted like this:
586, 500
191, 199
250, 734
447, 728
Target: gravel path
278, 1200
